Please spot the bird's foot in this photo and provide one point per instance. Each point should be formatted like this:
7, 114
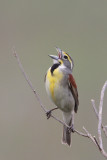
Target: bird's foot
48, 114
71, 129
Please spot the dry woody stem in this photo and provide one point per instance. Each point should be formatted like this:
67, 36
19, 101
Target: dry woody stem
98, 142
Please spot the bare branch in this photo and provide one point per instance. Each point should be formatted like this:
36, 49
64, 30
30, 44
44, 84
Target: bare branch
94, 107
89, 135
97, 143
96, 112
80, 133
27, 79
99, 115
94, 140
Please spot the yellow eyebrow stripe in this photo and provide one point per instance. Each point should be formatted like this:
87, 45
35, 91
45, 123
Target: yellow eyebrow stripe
68, 57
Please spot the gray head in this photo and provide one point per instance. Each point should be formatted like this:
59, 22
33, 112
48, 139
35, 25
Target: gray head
63, 59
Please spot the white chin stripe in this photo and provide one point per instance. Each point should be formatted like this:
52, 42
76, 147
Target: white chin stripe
55, 61
62, 66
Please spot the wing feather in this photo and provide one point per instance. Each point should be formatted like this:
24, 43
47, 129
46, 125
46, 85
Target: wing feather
73, 88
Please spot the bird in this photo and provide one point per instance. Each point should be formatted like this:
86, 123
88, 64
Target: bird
62, 90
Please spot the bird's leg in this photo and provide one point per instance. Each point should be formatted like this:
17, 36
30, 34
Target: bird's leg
71, 128
48, 113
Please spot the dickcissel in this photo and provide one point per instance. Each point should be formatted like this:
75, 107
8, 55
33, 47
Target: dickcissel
62, 90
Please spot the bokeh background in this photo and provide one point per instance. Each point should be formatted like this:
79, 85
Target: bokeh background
35, 27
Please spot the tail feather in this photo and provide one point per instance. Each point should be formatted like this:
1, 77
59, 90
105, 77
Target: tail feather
68, 119
66, 139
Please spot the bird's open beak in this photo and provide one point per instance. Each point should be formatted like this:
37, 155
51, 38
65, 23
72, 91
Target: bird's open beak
59, 54
54, 57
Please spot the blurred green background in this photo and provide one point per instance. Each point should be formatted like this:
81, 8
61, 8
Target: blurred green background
35, 27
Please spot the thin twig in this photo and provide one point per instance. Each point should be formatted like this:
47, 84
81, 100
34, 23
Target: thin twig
28, 80
89, 135
96, 112
100, 117
80, 133
97, 143
94, 107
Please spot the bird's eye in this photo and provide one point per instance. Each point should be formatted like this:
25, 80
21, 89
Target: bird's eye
65, 57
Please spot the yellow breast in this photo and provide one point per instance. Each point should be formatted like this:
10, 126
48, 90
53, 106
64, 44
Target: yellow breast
54, 80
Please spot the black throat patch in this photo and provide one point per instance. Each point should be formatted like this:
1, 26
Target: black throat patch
56, 65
